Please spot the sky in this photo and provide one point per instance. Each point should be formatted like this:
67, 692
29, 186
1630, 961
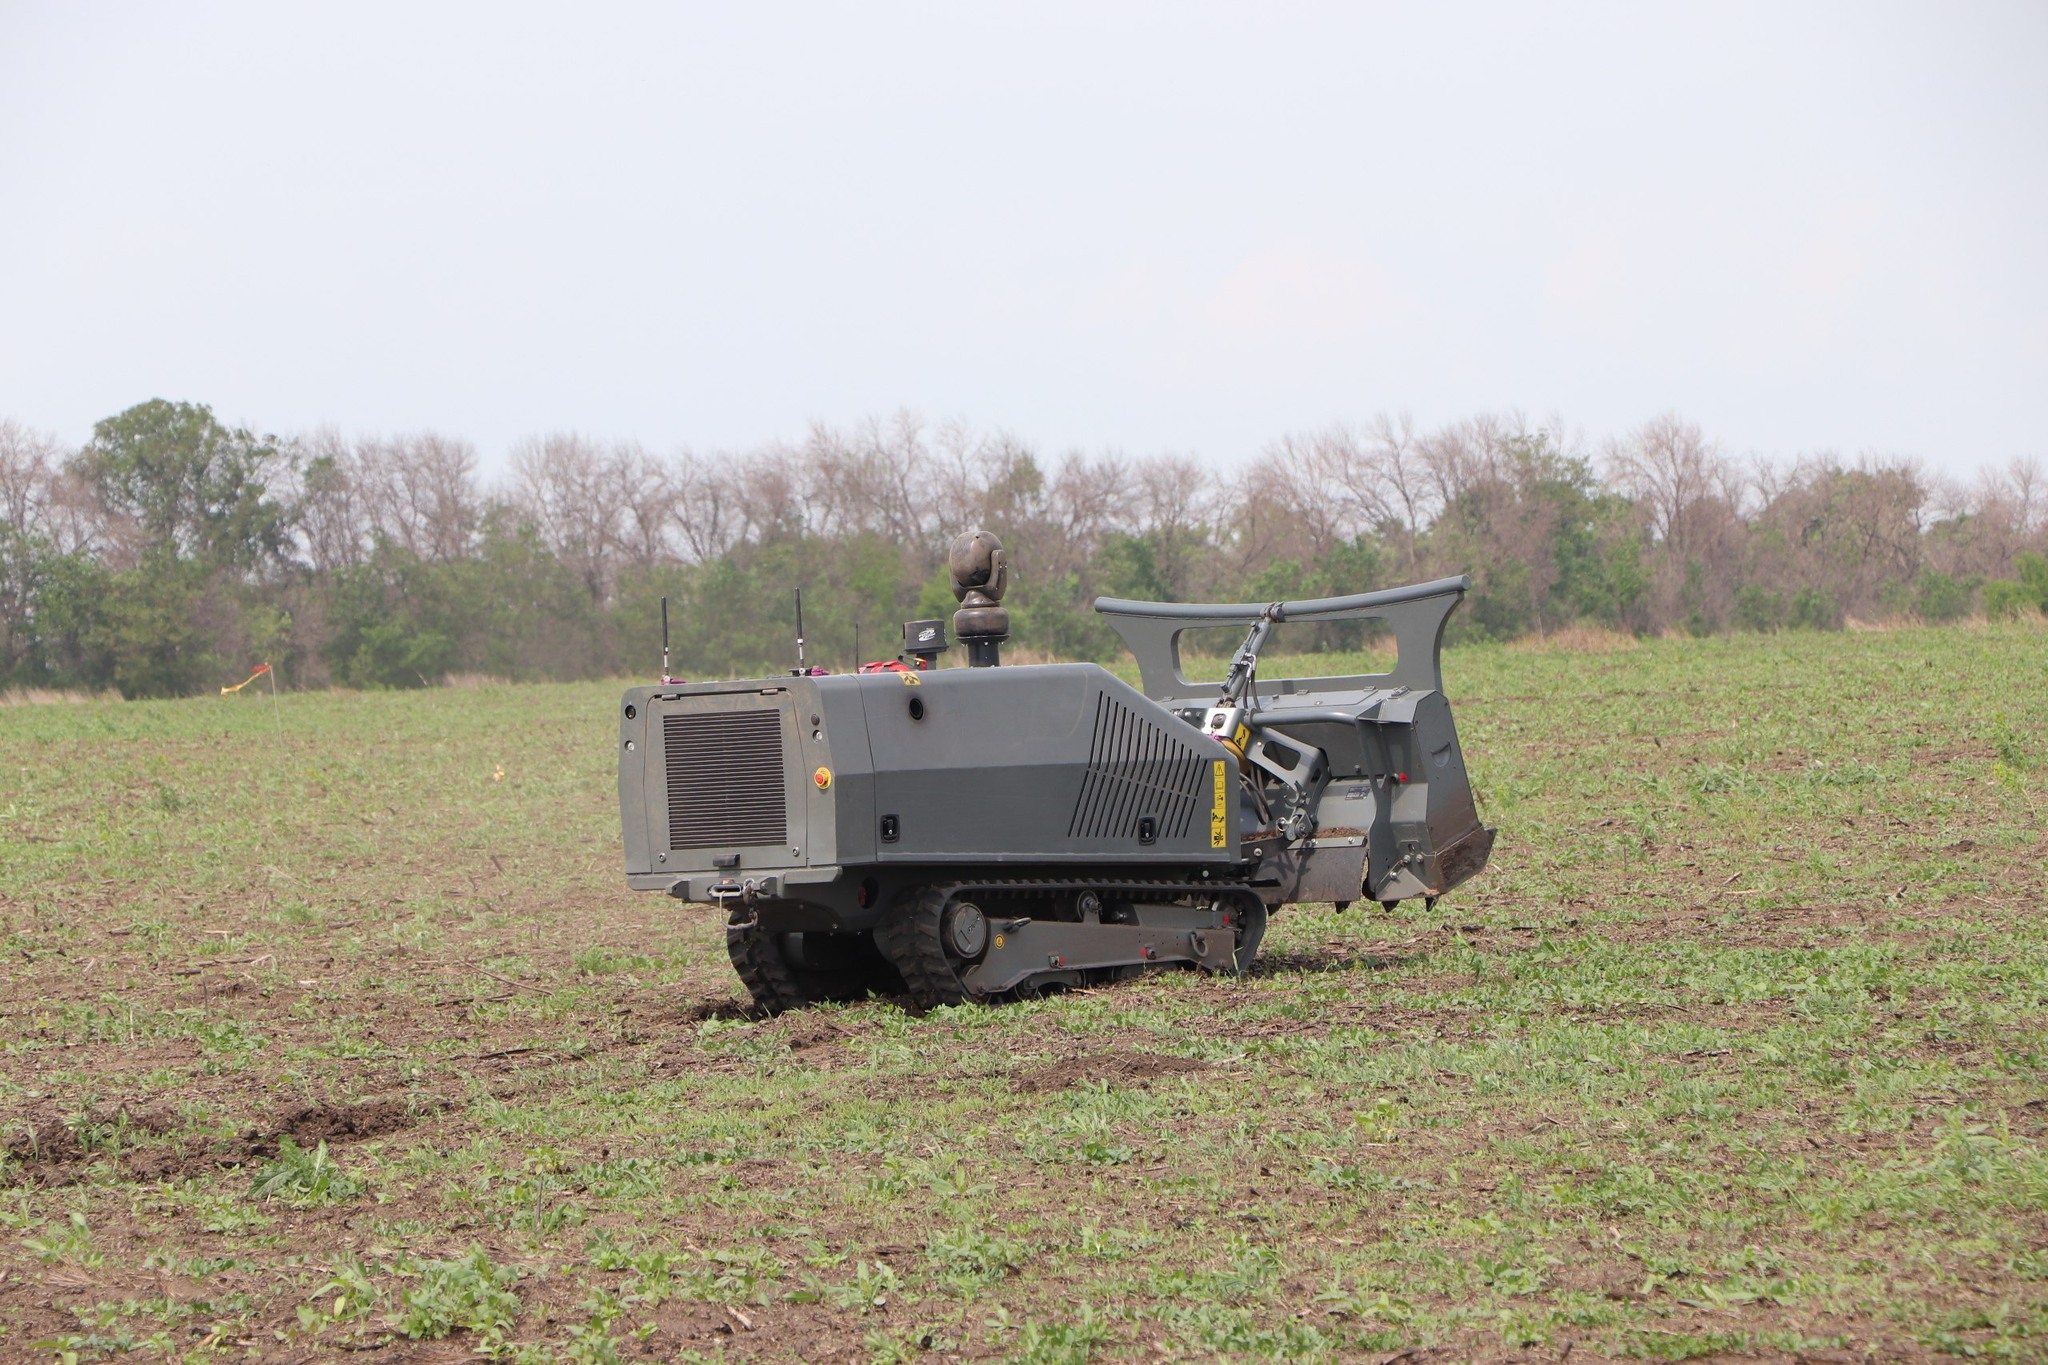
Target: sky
1140, 227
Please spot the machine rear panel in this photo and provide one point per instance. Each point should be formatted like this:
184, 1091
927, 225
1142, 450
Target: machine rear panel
725, 778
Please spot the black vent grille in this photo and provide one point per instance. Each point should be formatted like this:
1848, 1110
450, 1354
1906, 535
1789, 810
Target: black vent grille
1135, 769
725, 779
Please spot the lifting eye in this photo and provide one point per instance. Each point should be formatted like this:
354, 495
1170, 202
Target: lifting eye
917, 708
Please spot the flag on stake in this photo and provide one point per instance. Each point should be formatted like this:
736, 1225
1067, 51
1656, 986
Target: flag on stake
261, 669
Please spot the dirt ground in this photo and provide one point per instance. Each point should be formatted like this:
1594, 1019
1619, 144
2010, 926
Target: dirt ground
347, 1042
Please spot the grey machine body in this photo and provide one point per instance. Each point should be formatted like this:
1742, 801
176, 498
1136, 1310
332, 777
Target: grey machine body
973, 833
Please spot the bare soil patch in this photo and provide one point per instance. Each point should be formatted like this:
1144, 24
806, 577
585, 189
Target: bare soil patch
55, 1149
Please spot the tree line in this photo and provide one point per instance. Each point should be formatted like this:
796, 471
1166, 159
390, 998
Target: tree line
172, 550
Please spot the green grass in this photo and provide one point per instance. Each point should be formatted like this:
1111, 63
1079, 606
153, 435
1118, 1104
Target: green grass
353, 1035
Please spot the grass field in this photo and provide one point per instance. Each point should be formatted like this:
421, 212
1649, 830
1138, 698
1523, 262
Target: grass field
352, 1038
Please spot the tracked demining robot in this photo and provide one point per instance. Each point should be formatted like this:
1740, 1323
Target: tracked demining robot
980, 833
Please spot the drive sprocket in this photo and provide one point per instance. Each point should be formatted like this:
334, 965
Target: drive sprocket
931, 936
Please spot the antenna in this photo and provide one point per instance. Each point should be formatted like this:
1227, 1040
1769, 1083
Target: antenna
664, 641
799, 670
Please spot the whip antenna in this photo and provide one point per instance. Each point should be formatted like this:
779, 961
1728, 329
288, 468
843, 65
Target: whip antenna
664, 641
799, 669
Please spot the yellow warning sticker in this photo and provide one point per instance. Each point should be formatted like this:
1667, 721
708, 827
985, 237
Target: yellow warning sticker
1216, 822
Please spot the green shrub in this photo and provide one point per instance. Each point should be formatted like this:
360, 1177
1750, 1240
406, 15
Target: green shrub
2017, 596
469, 1294
2033, 572
395, 654
304, 1179
1813, 609
1759, 608
1942, 597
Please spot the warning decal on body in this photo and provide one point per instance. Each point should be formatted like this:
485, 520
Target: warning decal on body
1216, 822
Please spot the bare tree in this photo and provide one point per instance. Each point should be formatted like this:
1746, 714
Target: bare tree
1394, 458
2024, 483
879, 479
42, 497
330, 509
578, 496
1089, 497
648, 493
421, 492
1842, 530
771, 495
1256, 511
1681, 481
1465, 457
1986, 525
1175, 497
30, 465
1689, 498
1012, 493
704, 506
1302, 496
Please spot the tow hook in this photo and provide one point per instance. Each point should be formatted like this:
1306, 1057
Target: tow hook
737, 900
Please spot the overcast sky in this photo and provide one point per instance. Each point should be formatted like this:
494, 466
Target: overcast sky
1147, 227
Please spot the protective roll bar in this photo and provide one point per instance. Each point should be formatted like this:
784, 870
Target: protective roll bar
1416, 613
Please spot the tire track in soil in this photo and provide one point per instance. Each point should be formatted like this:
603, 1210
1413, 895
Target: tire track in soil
50, 1151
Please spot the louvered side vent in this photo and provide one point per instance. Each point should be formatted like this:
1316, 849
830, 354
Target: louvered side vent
1136, 768
725, 779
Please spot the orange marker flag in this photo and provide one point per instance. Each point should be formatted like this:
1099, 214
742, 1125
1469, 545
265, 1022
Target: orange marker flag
261, 669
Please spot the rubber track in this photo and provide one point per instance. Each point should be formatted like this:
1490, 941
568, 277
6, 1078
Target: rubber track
909, 934
909, 937
762, 970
